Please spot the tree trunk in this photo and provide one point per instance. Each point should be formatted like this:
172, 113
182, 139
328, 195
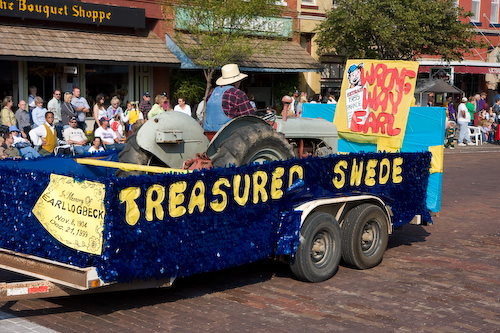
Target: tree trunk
209, 73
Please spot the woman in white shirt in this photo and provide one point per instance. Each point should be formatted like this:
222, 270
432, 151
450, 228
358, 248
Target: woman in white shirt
99, 110
182, 106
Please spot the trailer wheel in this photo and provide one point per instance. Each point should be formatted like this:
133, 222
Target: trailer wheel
318, 253
253, 143
364, 236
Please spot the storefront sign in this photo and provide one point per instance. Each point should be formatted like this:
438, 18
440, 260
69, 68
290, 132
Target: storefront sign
73, 212
74, 12
375, 100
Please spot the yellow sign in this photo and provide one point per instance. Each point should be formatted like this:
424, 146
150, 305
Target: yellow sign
375, 101
73, 212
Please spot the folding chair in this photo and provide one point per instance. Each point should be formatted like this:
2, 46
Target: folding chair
475, 133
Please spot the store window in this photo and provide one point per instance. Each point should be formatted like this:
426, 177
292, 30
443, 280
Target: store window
476, 8
8, 79
332, 71
108, 80
494, 12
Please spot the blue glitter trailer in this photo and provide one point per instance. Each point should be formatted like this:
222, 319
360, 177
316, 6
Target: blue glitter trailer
164, 226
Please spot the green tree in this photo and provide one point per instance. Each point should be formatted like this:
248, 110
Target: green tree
397, 29
217, 32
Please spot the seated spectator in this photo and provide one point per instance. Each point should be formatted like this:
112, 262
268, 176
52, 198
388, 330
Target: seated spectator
22, 144
109, 138
96, 145
38, 112
183, 107
44, 137
73, 135
9, 151
8, 117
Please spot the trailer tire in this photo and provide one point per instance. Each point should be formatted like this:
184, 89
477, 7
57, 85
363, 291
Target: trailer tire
319, 251
252, 143
364, 236
132, 153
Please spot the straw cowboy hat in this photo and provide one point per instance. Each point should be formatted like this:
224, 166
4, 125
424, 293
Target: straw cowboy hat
230, 74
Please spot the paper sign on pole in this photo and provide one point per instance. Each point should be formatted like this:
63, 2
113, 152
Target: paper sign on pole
375, 101
73, 212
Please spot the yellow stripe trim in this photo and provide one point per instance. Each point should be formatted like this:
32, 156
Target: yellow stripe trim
128, 166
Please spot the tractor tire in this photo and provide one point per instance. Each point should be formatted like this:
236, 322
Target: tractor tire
364, 236
318, 253
253, 143
132, 153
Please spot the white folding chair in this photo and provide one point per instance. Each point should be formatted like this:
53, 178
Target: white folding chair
475, 133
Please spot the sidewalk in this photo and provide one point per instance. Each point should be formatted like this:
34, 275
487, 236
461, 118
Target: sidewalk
480, 148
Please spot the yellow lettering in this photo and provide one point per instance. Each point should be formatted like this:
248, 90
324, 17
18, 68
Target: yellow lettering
65, 10
197, 198
75, 11
384, 172
22, 5
259, 184
102, 15
356, 172
155, 205
129, 195
46, 11
396, 170
219, 206
108, 16
241, 200
370, 172
277, 183
295, 170
176, 198
339, 177
11, 6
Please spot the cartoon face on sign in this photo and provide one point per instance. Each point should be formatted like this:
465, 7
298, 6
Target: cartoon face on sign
354, 75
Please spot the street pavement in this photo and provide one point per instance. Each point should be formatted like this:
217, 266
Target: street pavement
439, 278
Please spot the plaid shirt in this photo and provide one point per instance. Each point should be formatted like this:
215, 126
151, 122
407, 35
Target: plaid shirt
236, 103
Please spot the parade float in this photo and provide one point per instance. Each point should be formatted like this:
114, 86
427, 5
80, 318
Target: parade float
78, 228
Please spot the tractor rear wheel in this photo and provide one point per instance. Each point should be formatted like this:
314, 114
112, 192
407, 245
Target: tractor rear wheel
253, 143
132, 153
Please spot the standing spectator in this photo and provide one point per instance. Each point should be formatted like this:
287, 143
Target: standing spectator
39, 112
251, 98
287, 111
463, 118
8, 117
44, 136
451, 109
157, 109
166, 102
23, 118
81, 107
481, 103
75, 136
99, 110
471, 108
108, 137
295, 101
182, 106
315, 99
145, 105
132, 114
67, 109
31, 97
331, 99
496, 107
114, 108
54, 105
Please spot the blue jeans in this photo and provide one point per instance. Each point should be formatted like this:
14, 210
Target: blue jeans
80, 150
464, 132
114, 146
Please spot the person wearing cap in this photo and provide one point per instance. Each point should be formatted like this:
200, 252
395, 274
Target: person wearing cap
226, 101
22, 144
108, 137
463, 118
145, 105
44, 136
74, 135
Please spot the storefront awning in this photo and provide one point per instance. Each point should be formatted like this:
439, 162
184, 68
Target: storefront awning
40, 44
472, 67
289, 57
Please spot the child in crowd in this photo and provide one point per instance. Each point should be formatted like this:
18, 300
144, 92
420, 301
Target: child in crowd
450, 135
133, 115
117, 126
96, 145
